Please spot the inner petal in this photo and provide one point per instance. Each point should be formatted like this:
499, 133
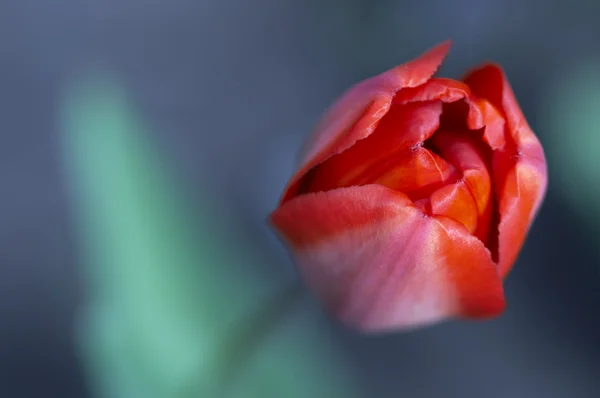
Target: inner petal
470, 200
417, 172
455, 201
403, 128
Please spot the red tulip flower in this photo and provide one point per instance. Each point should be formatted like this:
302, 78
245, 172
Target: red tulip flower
414, 197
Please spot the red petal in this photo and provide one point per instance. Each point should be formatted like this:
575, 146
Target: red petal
473, 272
379, 263
480, 112
520, 173
387, 150
456, 202
467, 154
357, 112
438, 88
416, 173
493, 121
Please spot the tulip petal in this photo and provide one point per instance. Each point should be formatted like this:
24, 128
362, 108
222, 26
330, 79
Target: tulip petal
493, 121
392, 144
379, 263
481, 294
520, 174
472, 158
437, 88
358, 111
416, 173
477, 113
456, 202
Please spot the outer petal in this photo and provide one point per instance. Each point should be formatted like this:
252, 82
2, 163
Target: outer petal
379, 263
357, 112
520, 173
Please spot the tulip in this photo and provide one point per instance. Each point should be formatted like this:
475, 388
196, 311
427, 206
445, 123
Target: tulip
414, 196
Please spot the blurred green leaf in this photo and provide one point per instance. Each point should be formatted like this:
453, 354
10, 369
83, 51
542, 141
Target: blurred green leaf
169, 294
571, 118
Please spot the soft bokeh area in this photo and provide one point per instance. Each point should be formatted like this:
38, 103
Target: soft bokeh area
145, 142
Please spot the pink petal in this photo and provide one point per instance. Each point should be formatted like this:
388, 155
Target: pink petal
520, 173
379, 263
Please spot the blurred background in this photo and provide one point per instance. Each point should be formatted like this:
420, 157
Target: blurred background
145, 142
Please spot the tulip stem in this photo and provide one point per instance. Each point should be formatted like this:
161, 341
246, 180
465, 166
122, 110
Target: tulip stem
253, 331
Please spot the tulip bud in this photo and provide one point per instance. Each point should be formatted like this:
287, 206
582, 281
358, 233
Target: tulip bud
414, 197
